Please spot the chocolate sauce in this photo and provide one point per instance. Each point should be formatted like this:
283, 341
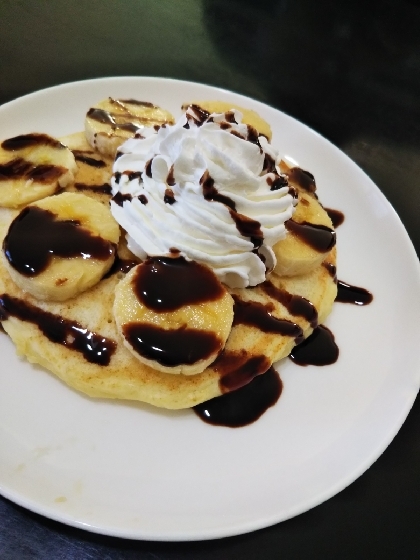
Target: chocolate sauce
279, 182
319, 349
105, 117
302, 179
36, 235
248, 227
295, 305
101, 116
134, 102
119, 198
29, 141
352, 294
80, 155
143, 198
121, 265
230, 117
134, 175
148, 168
170, 179
253, 136
199, 115
94, 347
105, 188
237, 369
128, 126
331, 269
169, 197
171, 347
245, 405
269, 165
320, 238
22, 169
211, 193
166, 283
336, 216
259, 316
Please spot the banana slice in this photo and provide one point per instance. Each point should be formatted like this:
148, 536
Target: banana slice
94, 170
33, 166
111, 121
248, 116
310, 235
60, 246
173, 315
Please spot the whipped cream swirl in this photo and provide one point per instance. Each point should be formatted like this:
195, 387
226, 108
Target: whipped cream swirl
207, 188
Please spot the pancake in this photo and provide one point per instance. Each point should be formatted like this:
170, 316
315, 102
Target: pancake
78, 341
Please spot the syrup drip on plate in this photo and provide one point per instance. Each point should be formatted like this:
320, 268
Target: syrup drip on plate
245, 405
352, 294
319, 349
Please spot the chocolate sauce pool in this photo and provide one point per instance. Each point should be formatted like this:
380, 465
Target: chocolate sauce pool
319, 349
245, 405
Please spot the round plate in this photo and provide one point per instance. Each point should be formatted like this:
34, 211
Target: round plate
130, 470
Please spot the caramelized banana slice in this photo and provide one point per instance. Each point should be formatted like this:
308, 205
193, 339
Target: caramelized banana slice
248, 116
60, 246
173, 315
112, 121
33, 166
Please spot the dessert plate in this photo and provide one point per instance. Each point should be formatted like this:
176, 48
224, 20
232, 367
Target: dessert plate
133, 471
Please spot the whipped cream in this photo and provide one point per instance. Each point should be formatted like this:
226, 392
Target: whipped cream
207, 188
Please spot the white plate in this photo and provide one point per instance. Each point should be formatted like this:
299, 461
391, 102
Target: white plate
133, 471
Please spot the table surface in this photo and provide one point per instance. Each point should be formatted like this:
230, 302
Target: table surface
351, 71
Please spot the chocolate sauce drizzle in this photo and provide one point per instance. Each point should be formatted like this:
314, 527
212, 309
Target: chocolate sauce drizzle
119, 198
301, 178
121, 265
171, 347
155, 280
36, 235
21, 169
105, 188
336, 216
133, 102
29, 141
319, 349
169, 197
211, 193
248, 227
105, 117
245, 405
320, 238
237, 369
94, 347
295, 305
258, 315
80, 155
352, 294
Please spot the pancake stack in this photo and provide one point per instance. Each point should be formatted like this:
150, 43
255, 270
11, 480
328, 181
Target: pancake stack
75, 309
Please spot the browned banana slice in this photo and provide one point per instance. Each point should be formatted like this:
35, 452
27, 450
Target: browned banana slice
112, 121
33, 166
174, 315
60, 246
248, 115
